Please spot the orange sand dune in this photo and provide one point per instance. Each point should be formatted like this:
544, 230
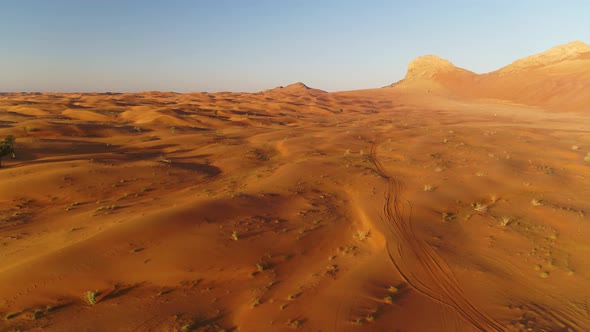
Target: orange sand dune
393, 209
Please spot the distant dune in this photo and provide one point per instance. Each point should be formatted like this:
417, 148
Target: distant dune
295, 88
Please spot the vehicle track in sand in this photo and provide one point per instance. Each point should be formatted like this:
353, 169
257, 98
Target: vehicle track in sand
418, 264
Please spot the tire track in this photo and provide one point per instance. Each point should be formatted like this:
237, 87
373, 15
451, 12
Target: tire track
562, 315
418, 263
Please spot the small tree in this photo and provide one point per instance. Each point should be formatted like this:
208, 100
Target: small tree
7, 147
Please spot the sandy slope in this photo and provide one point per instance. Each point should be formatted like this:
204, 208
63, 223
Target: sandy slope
375, 210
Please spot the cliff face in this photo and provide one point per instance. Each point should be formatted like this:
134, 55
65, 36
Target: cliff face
428, 66
429, 71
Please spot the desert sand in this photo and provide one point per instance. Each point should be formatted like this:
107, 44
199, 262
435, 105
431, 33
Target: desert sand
448, 201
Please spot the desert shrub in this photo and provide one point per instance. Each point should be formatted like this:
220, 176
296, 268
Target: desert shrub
90, 297
7, 147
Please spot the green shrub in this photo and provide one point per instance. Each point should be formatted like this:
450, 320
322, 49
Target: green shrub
7, 147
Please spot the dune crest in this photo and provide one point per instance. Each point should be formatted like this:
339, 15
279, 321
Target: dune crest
297, 87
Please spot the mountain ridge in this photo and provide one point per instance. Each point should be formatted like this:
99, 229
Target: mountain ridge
558, 78
553, 55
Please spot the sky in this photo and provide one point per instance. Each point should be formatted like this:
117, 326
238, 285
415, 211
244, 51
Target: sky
251, 45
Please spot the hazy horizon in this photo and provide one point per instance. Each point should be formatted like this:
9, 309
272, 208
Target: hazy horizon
186, 46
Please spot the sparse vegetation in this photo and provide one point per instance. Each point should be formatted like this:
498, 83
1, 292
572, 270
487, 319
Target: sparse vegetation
428, 187
505, 221
362, 235
71, 206
261, 267
447, 216
90, 297
255, 302
545, 169
295, 323
536, 202
587, 158
235, 236
10, 316
37, 314
111, 207
480, 207
493, 198
7, 147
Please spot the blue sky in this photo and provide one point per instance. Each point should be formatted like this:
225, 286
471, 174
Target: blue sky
249, 45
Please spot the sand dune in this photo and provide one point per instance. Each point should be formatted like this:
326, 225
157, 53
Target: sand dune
450, 202
295, 88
